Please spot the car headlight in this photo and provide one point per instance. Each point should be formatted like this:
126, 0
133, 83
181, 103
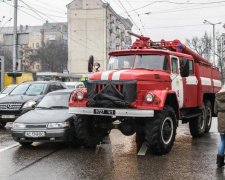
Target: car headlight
79, 95
18, 126
29, 104
59, 125
149, 97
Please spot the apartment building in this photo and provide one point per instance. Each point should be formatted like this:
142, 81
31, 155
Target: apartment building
94, 28
30, 39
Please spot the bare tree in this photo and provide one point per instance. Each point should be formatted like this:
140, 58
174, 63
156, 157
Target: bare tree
52, 56
7, 53
202, 46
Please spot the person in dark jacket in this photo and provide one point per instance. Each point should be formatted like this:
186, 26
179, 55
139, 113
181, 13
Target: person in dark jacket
219, 109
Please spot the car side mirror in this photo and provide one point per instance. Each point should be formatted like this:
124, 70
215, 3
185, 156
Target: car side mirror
90, 63
184, 68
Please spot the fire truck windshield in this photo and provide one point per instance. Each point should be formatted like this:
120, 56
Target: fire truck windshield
158, 62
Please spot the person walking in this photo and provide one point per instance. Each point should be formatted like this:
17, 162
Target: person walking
219, 109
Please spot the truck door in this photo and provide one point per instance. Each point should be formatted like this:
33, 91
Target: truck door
177, 82
190, 87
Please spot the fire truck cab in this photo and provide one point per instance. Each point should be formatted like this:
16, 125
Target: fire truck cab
147, 89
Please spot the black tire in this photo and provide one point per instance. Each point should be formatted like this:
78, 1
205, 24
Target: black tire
74, 140
2, 124
86, 132
197, 125
208, 115
160, 132
26, 144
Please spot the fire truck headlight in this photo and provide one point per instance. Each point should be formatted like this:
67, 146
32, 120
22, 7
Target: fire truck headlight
149, 97
80, 95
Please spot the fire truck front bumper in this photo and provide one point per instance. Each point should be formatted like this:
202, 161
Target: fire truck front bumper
114, 112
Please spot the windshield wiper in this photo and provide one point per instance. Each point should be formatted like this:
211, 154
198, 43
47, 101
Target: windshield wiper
145, 69
61, 107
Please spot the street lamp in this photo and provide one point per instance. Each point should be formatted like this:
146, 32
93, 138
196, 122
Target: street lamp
214, 37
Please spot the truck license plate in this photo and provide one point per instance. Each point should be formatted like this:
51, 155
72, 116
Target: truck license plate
8, 116
104, 111
35, 134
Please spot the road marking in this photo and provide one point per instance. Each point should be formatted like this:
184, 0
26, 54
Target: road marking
9, 147
143, 149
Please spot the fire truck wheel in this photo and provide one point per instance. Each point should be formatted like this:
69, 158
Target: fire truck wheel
208, 115
87, 133
197, 125
160, 132
2, 124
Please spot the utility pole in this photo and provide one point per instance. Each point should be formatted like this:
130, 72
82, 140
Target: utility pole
15, 37
214, 44
214, 39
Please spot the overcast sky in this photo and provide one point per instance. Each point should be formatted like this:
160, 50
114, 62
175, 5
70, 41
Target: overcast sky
174, 19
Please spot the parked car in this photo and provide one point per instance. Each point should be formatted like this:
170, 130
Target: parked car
74, 85
24, 97
7, 90
48, 122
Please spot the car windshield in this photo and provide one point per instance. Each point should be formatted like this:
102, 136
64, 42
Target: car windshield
158, 62
55, 100
29, 89
7, 90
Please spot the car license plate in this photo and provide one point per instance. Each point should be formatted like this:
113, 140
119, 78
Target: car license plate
35, 134
104, 111
8, 116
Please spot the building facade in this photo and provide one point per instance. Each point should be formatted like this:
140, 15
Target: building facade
30, 39
94, 28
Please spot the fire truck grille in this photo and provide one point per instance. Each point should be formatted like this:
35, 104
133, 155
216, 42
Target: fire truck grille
10, 106
100, 87
111, 93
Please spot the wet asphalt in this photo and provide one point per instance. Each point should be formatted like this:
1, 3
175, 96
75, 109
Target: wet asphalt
115, 159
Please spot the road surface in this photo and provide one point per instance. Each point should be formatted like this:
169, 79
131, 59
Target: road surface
115, 159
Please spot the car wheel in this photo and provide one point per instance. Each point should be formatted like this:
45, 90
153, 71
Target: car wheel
160, 132
2, 124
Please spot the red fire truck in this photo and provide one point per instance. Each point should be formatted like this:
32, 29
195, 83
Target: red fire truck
147, 89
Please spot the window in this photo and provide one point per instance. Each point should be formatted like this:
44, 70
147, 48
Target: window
56, 99
174, 64
191, 68
37, 45
36, 89
29, 89
52, 87
59, 86
120, 62
156, 62
37, 67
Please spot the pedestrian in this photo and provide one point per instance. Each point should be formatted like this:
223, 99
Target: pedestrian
96, 67
219, 109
